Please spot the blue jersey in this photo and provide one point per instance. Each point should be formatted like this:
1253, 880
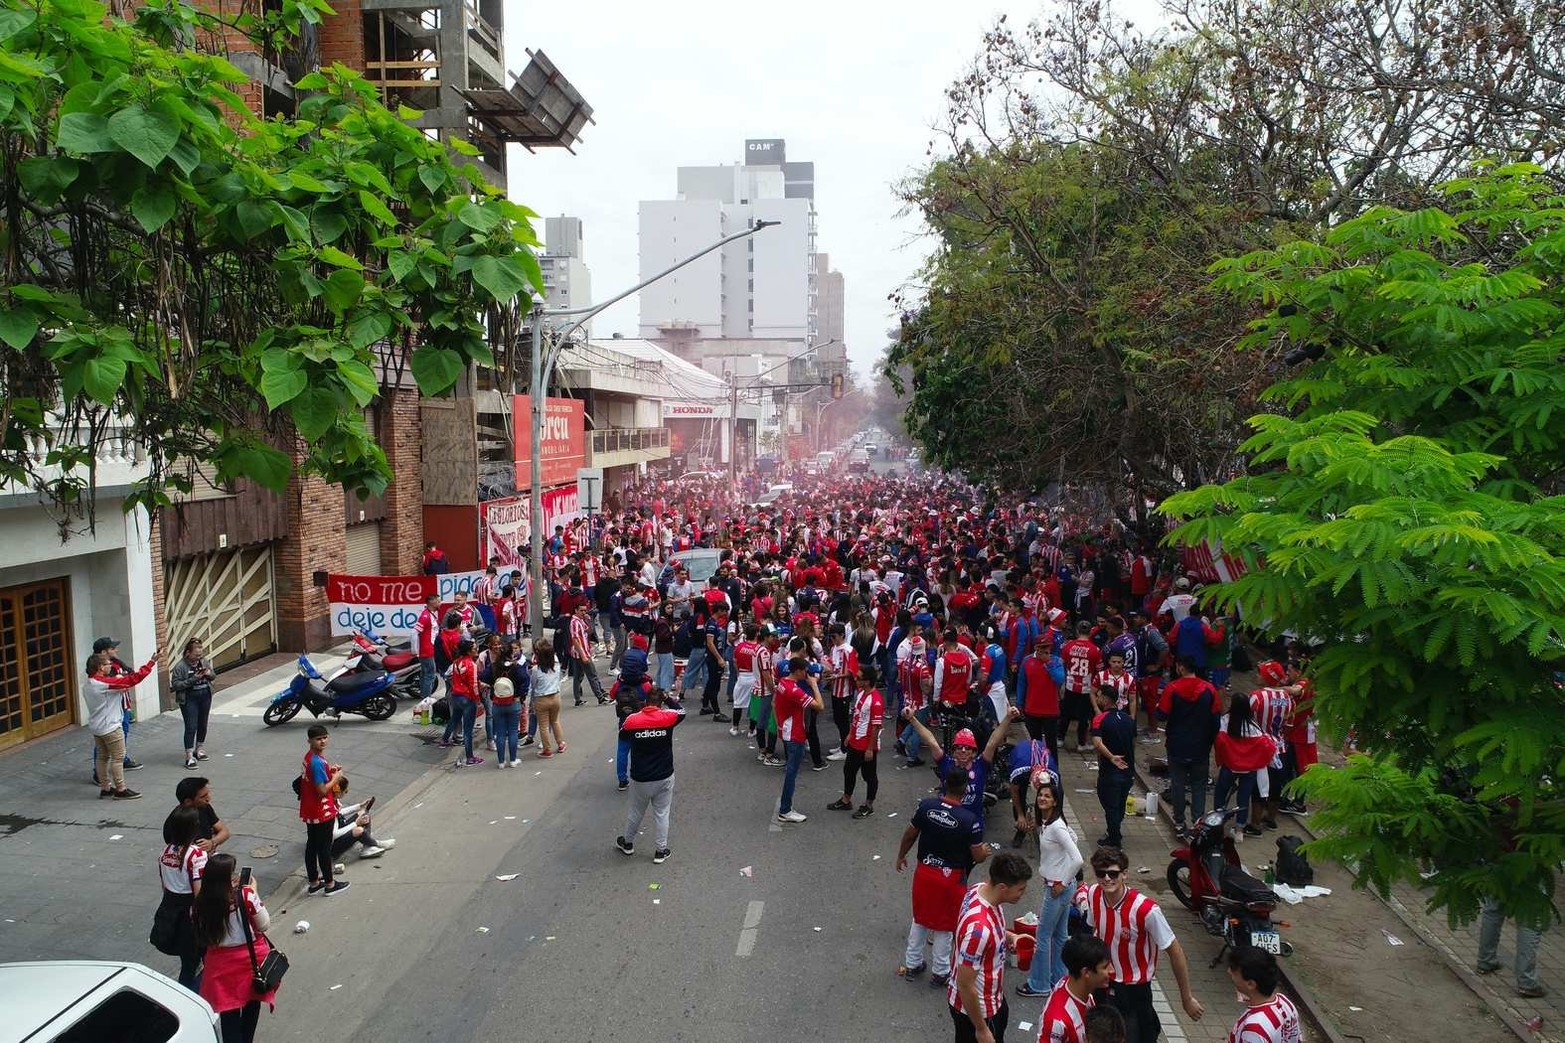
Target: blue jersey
977, 778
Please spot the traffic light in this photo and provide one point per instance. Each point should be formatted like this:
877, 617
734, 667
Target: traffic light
836, 385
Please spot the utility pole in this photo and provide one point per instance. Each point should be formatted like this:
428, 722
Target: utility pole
733, 433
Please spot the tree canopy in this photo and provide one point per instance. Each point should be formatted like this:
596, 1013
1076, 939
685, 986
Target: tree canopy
226, 290
1088, 172
1404, 507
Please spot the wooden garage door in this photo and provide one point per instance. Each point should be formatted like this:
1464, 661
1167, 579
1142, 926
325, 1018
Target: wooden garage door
364, 549
225, 599
38, 667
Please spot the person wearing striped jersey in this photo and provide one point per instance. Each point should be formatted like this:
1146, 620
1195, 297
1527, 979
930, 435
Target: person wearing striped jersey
842, 671
1272, 707
1087, 969
1269, 1016
976, 993
745, 680
862, 739
1135, 931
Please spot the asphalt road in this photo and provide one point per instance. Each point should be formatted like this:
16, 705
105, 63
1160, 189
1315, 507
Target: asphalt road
581, 943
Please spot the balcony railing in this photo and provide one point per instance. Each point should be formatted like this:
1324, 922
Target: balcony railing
482, 33
629, 439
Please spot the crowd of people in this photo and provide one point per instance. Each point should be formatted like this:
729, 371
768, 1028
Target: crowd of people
990, 636
985, 636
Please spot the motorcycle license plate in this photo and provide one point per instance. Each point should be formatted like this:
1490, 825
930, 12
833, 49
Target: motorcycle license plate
1270, 941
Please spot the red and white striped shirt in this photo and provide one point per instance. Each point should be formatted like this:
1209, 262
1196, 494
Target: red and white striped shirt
844, 663
589, 571
865, 719
581, 638
1135, 931
1275, 1021
980, 944
1064, 1017
1122, 684
1272, 708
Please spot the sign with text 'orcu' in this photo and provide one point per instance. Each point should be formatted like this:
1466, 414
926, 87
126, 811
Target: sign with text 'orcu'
564, 444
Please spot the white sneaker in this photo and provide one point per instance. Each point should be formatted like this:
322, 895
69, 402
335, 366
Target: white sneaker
388, 843
836, 755
733, 731
373, 851
516, 763
791, 816
190, 760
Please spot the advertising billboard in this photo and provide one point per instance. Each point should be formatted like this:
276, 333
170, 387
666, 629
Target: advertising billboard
564, 440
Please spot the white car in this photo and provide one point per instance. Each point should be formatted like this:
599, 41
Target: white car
83, 1001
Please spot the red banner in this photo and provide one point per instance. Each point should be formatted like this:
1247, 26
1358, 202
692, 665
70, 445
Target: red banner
388, 605
564, 440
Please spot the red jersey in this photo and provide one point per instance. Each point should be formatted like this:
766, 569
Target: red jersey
912, 671
315, 804
464, 677
744, 655
1082, 659
954, 676
1135, 931
1064, 1017
425, 630
980, 944
864, 720
1275, 1021
788, 704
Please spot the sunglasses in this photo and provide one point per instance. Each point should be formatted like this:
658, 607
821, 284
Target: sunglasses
1109, 874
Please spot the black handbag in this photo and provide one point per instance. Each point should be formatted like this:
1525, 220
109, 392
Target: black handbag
268, 973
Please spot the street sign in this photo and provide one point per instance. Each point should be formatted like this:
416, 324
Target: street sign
589, 488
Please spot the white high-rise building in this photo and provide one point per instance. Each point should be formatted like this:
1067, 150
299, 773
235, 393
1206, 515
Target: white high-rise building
567, 281
759, 288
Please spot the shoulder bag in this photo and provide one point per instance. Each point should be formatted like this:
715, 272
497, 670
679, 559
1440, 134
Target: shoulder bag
268, 973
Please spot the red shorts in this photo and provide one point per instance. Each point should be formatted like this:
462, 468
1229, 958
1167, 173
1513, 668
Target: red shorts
937, 897
1148, 687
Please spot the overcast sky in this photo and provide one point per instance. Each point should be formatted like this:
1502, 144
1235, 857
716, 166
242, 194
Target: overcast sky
852, 85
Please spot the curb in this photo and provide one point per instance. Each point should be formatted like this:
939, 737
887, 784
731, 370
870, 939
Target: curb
1503, 1012
1307, 1002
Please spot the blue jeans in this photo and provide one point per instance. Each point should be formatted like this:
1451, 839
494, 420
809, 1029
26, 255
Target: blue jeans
695, 668
1053, 929
733, 671
663, 670
1186, 773
1113, 788
428, 677
794, 754
622, 760
489, 725
463, 712
1225, 784
507, 723
909, 736
532, 720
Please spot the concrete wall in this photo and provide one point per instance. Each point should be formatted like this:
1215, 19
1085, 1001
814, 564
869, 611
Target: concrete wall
671, 230
110, 582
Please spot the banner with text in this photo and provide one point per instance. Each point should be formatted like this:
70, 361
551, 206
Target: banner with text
564, 440
390, 605
504, 522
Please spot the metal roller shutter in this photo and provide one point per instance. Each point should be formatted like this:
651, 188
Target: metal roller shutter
225, 599
364, 549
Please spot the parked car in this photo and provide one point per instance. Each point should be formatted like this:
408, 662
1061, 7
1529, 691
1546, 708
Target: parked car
85, 1001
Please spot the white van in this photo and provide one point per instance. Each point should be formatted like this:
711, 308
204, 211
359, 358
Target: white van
84, 1001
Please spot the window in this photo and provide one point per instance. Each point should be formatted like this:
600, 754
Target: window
125, 1017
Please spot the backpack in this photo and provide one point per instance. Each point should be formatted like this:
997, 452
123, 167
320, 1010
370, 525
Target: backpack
1293, 866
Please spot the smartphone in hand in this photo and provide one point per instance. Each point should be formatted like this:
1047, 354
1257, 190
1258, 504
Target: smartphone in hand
244, 877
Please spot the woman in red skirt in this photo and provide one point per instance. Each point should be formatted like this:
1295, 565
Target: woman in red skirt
228, 978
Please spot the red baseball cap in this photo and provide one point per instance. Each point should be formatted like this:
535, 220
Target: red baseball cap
965, 737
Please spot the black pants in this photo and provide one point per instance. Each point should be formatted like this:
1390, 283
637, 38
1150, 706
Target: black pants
1135, 1003
839, 716
1047, 729
714, 684
850, 773
317, 851
239, 1025
965, 1033
1077, 707
813, 737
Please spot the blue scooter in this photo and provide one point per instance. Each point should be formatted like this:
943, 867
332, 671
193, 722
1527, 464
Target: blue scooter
365, 692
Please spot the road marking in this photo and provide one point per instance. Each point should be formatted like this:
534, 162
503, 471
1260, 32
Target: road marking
752, 921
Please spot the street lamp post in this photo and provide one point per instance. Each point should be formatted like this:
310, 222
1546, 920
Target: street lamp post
542, 368
820, 410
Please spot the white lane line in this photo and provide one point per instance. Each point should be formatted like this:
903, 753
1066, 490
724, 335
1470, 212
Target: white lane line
752, 921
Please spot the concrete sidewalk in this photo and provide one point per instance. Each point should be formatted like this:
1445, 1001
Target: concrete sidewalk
78, 875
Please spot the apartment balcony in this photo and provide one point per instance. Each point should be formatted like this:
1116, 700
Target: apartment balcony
621, 446
120, 462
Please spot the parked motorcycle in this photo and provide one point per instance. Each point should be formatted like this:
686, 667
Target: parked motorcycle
1208, 879
367, 693
372, 653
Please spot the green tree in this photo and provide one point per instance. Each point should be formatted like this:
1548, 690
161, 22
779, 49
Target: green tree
1404, 510
226, 289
